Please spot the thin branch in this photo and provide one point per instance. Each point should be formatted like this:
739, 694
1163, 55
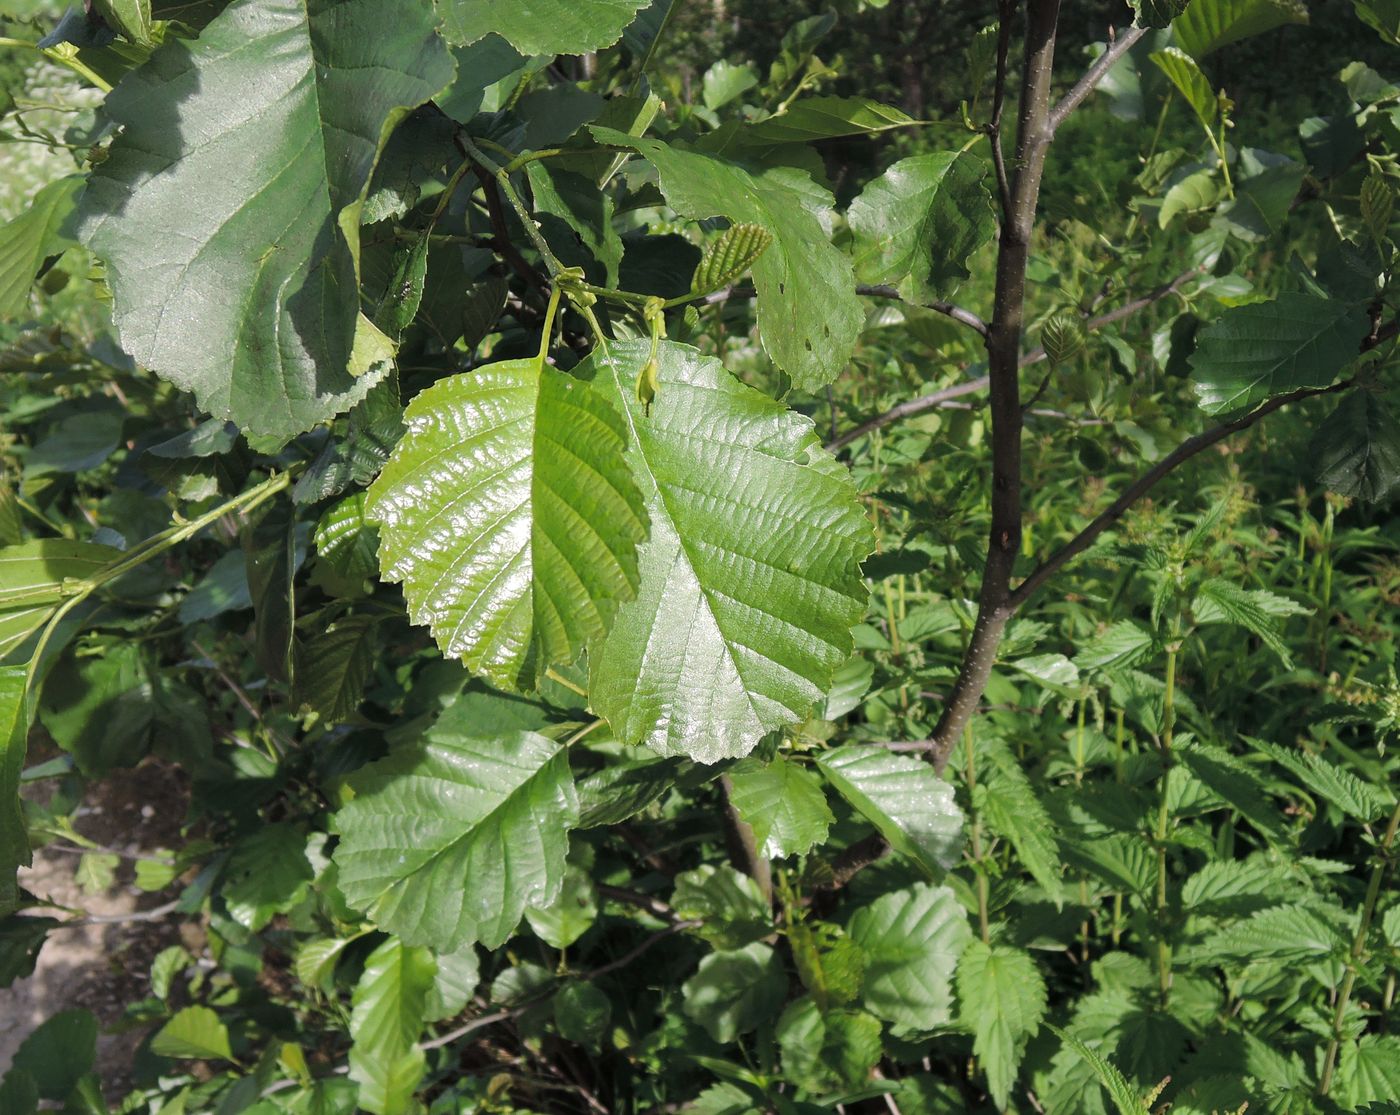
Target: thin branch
654, 906
1144, 483
1095, 74
957, 313
744, 851
155, 913
627, 958
1126, 310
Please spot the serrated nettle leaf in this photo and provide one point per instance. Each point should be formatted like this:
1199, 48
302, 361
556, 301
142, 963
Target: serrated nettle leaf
728, 256
333, 667
763, 577
1006, 801
14, 735
783, 803
814, 118
901, 796
28, 239
1122, 1094
1221, 601
508, 513
1354, 797
1264, 349
1357, 449
540, 26
229, 220
449, 839
808, 312
1001, 995
917, 224
1118, 646
912, 940
388, 1010
1289, 932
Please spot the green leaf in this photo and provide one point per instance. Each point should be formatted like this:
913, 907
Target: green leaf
1290, 932
1123, 1095
14, 736
30, 238
508, 513
783, 803
1157, 13
267, 873
131, 18
814, 118
728, 256
458, 973
830, 965
827, 1050
623, 790
763, 577
1236, 783
1118, 646
912, 940
1357, 449
1007, 803
734, 992
270, 554
540, 26
1002, 998
58, 1052
808, 312
902, 797
195, 1033
1264, 349
1368, 1070
334, 666
918, 223
563, 921
21, 938
1191, 83
386, 1019
725, 81
1343, 789
229, 219
1233, 887
449, 839
1207, 25
316, 960
39, 572
1221, 601
1383, 16
19, 1095
729, 903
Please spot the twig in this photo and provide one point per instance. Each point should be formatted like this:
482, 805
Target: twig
627, 958
653, 906
1118, 313
155, 913
1095, 74
957, 313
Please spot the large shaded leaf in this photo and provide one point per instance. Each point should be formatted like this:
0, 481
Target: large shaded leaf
1190, 81
902, 797
808, 313
508, 513
540, 26
14, 732
227, 210
916, 225
912, 940
29, 238
814, 118
735, 991
750, 581
1269, 348
448, 840
59, 1052
1357, 449
387, 1013
1208, 25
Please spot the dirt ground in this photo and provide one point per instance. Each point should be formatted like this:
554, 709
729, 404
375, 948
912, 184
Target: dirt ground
104, 962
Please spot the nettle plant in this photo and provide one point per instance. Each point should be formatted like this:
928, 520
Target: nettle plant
494, 329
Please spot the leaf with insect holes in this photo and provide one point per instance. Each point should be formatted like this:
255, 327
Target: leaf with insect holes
728, 256
508, 513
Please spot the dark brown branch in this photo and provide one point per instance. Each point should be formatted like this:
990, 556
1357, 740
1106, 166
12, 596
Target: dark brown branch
1033, 138
1144, 483
1005, 10
1095, 74
957, 313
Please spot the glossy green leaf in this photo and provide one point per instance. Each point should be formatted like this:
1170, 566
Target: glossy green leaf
540, 26
386, 1019
1001, 994
27, 240
449, 839
1207, 25
458, 974
724, 81
195, 1033
583, 1013
918, 223
912, 940
783, 803
808, 312
229, 219
508, 513
14, 736
762, 577
901, 796
1356, 450
1269, 348
826, 1050
734, 992
1190, 82
269, 549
